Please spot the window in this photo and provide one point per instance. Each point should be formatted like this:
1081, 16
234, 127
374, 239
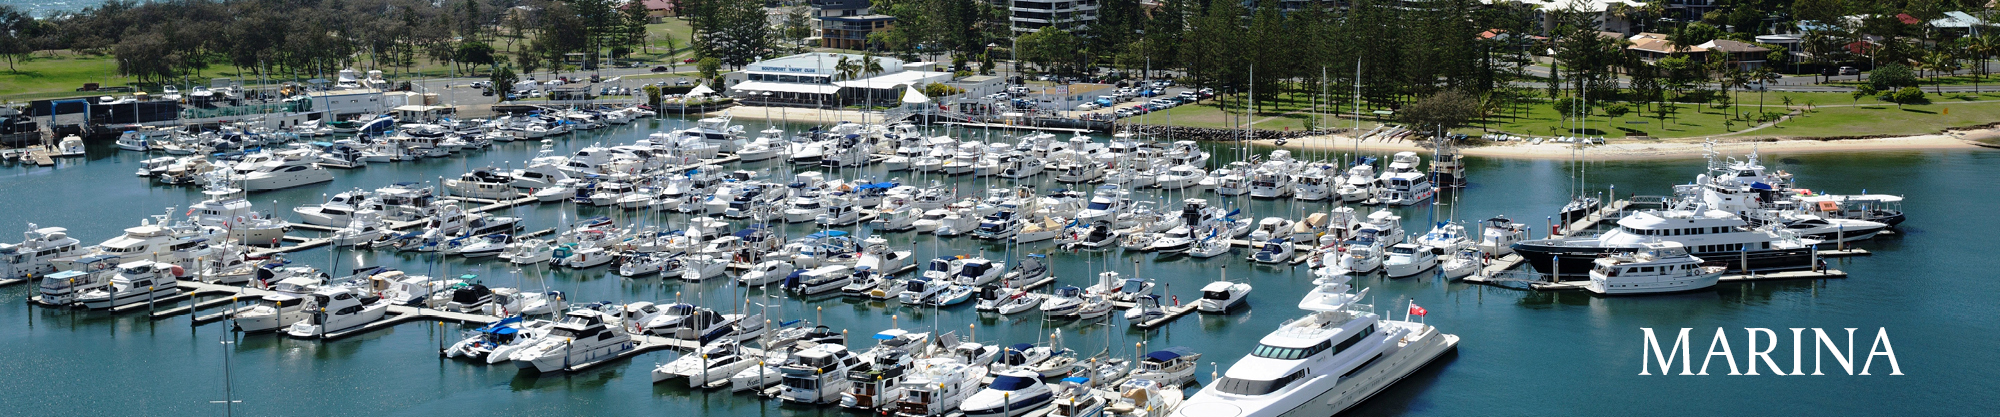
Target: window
1364, 365
1356, 338
1256, 387
1273, 352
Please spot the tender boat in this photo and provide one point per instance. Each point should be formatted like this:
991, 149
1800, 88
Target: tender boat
1221, 296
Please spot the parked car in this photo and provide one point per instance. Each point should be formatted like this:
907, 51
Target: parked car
478, 84
661, 68
1849, 71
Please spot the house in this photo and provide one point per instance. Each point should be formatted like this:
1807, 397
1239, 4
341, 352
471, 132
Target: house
1652, 47
1029, 16
660, 8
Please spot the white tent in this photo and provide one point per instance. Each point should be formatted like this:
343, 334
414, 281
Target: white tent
701, 90
913, 95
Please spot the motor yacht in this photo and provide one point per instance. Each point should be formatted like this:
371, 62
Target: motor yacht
1012, 393
272, 312
338, 309
136, 282
818, 374
1338, 355
582, 336
1407, 259
1221, 296
1657, 268
34, 256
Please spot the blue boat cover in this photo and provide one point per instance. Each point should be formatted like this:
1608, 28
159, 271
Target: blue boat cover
1169, 354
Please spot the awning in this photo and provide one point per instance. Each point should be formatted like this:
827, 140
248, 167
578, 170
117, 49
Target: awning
784, 87
701, 90
913, 96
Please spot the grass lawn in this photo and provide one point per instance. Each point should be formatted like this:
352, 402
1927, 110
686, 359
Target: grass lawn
1885, 119
45, 77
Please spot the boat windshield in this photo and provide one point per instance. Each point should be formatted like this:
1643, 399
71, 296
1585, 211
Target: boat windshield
1255, 387
1094, 205
1215, 295
1011, 383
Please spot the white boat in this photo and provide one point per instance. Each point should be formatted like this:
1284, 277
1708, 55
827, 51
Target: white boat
136, 282
336, 310
1659, 267
272, 312
38, 248
582, 336
702, 267
499, 338
1220, 296
337, 211
528, 251
937, 386
1406, 259
1499, 234
765, 273
226, 208
487, 183
62, 288
818, 374
1173, 366
1094, 306
1276, 250
820, 280
1465, 262
1065, 301
277, 176
1012, 393
1404, 184
710, 364
1326, 362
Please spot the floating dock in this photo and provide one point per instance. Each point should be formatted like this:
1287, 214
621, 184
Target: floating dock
1755, 276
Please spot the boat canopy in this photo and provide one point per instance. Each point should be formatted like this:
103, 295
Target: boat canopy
1169, 354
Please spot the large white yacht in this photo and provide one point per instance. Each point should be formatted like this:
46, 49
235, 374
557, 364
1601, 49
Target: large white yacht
226, 208
1336, 356
818, 375
1014, 392
582, 336
335, 310
286, 173
1659, 267
38, 246
1404, 184
136, 282
1707, 233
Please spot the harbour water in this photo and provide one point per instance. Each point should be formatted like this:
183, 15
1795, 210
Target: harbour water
1522, 352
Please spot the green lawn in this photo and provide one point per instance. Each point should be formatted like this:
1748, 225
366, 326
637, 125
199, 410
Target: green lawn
45, 77
1885, 119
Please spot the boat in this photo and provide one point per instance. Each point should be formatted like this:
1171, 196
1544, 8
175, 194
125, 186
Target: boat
1209, 247
34, 256
1221, 296
1464, 263
499, 337
1065, 301
1706, 233
818, 375
1338, 355
62, 288
336, 310
1173, 366
1407, 259
1276, 250
487, 182
765, 273
1404, 184
226, 208
136, 282
937, 386
272, 312
953, 295
819, 280
710, 364
1498, 235
582, 336
1032, 268
1145, 309
1013, 392
281, 175
1658, 268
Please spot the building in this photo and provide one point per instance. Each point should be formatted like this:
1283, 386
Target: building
660, 8
1652, 47
814, 80
1027, 16
846, 24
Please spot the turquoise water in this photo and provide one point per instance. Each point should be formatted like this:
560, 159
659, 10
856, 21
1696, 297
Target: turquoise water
1522, 352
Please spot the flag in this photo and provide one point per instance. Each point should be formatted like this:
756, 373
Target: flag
1418, 310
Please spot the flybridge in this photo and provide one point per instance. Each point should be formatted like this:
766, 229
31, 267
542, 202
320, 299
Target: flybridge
1758, 345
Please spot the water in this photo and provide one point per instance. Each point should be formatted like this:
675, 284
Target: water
43, 9
1521, 353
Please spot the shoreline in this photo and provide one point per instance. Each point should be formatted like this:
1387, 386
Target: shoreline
1666, 149
1618, 149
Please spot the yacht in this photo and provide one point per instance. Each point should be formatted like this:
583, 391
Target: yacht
820, 280
1406, 259
62, 288
227, 209
1499, 234
1220, 296
1404, 184
818, 375
1013, 392
1658, 267
39, 246
1173, 366
488, 183
764, 273
272, 312
135, 282
1706, 233
712, 363
937, 386
1338, 355
338, 309
282, 175
499, 338
337, 211
582, 336
1276, 251
1065, 301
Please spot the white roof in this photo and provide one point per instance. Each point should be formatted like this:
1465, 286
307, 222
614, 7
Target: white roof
894, 79
784, 87
701, 90
914, 96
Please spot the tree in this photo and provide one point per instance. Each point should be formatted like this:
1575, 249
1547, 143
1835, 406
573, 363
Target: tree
1862, 91
1939, 62
475, 53
1046, 47
798, 27
1907, 95
528, 60
1616, 110
1889, 77
18, 31
503, 80
1979, 49
1440, 112
1765, 77
709, 67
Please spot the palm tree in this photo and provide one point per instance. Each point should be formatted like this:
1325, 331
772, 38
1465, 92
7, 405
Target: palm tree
870, 66
1936, 62
1765, 76
1734, 78
1980, 48
846, 68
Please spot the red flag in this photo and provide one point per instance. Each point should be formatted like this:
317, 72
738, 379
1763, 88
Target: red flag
1414, 309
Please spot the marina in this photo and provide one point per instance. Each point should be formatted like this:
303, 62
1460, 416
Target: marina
402, 336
